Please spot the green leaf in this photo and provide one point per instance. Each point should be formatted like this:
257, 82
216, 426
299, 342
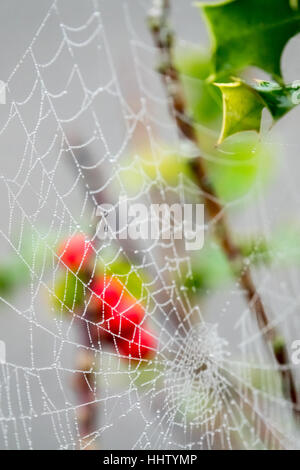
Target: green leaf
294, 4
210, 269
16, 269
251, 33
163, 167
266, 380
232, 167
68, 292
257, 250
204, 100
12, 275
145, 377
279, 100
284, 246
243, 104
238, 163
135, 279
242, 109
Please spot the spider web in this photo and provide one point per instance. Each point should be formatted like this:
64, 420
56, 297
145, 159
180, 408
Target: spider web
86, 122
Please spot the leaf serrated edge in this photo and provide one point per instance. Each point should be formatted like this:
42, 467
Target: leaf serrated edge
235, 84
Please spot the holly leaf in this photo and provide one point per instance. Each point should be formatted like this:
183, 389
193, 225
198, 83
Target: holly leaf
243, 104
251, 33
278, 99
242, 109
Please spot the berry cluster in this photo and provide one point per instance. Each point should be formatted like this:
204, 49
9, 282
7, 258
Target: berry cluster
122, 318
118, 316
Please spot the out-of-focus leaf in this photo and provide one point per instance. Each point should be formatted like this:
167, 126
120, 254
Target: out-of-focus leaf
236, 165
12, 275
134, 282
116, 264
203, 99
282, 248
165, 167
243, 104
233, 167
210, 269
68, 292
145, 377
285, 245
267, 380
194, 402
132, 176
250, 33
257, 250
33, 254
294, 4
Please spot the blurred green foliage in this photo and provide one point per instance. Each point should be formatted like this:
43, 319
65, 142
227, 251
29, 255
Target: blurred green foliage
148, 169
133, 280
19, 268
210, 269
235, 165
238, 164
268, 380
204, 99
68, 292
13, 273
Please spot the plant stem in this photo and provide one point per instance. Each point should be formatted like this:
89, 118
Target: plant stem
84, 387
163, 38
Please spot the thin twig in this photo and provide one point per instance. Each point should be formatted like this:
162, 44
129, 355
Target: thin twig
84, 387
163, 38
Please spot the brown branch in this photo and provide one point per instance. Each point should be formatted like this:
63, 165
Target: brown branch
84, 387
163, 38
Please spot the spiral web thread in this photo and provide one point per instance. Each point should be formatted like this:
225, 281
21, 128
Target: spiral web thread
67, 99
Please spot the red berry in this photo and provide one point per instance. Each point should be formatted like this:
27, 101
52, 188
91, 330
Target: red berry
143, 345
124, 321
75, 252
120, 311
108, 292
